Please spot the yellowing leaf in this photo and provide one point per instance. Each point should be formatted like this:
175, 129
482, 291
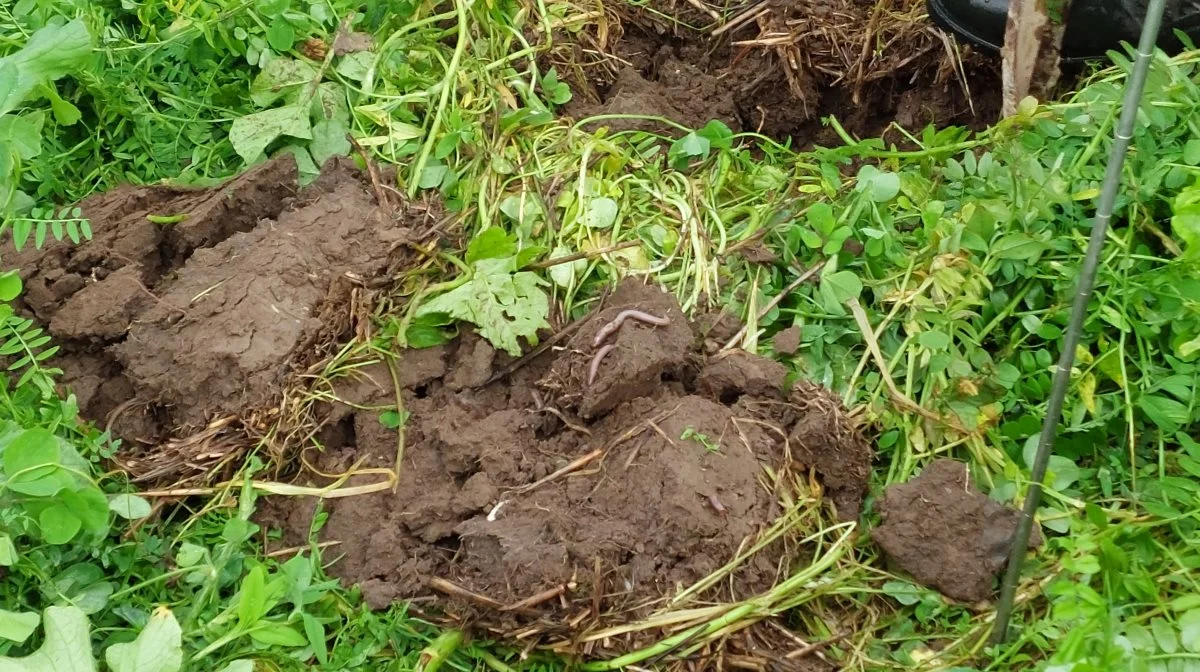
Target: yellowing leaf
1087, 392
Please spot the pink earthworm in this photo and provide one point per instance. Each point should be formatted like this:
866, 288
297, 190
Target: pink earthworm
612, 327
596, 362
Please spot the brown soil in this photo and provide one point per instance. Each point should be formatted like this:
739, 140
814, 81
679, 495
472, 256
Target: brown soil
166, 327
946, 534
675, 483
659, 67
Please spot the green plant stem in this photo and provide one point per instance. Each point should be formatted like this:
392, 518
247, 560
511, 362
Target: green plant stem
431, 137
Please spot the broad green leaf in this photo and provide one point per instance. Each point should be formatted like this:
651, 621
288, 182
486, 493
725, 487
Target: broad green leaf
281, 35
17, 626
278, 634
878, 185
1185, 223
600, 213
280, 77
934, 340
1165, 412
491, 243
59, 524
8, 552
820, 218
10, 286
718, 134
692, 144
315, 632
90, 504
250, 135
67, 646
239, 666
1191, 152
252, 600
23, 134
504, 304
129, 507
564, 275
1063, 470
30, 449
903, 592
844, 285
1018, 247
329, 140
51, 53
158, 647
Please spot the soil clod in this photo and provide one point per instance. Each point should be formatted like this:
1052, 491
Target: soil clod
945, 533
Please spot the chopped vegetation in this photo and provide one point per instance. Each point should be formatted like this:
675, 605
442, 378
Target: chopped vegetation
929, 277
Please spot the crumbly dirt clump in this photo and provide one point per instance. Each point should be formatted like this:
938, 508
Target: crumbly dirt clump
544, 495
165, 327
945, 533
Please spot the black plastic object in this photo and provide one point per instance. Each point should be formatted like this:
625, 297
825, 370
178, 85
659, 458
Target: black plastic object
1093, 26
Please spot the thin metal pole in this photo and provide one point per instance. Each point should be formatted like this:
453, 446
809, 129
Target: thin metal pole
1087, 278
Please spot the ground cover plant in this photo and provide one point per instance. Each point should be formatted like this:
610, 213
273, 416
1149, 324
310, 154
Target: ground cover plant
228, 403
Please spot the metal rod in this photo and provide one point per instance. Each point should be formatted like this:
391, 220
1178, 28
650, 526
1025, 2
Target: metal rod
1087, 278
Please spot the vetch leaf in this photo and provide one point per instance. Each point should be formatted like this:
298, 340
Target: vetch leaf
129, 506
1189, 630
250, 135
1164, 635
67, 646
158, 647
10, 286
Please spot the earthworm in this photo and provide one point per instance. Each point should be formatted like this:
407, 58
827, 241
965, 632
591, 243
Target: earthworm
612, 327
716, 504
596, 362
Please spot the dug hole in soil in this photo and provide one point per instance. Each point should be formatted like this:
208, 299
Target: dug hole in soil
551, 498
776, 68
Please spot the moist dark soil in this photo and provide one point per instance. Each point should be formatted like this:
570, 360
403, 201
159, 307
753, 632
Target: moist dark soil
167, 327
550, 499
938, 528
661, 64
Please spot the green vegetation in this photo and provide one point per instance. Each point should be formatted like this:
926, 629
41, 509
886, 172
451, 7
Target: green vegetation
942, 328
